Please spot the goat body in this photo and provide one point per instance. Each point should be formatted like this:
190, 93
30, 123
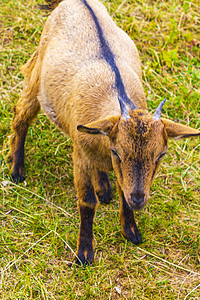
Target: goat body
87, 71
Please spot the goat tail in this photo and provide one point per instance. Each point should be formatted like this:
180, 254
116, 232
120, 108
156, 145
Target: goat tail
51, 4
31, 71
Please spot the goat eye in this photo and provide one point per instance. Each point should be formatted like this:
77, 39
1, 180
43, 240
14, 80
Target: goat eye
161, 156
114, 153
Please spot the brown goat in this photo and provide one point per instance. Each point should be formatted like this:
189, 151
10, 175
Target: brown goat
87, 71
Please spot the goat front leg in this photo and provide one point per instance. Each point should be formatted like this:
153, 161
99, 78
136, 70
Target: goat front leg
24, 113
87, 203
129, 227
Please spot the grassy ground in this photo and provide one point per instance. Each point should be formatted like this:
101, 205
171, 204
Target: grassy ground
39, 218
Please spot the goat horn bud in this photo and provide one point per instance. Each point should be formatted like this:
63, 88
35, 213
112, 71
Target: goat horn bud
157, 114
124, 112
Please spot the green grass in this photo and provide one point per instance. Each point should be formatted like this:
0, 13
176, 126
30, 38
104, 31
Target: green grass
39, 218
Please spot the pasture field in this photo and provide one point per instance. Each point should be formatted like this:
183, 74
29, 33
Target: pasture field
39, 218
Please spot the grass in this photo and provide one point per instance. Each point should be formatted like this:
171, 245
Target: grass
39, 218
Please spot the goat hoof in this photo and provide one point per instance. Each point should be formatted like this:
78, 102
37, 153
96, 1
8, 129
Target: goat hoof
17, 178
84, 258
133, 237
137, 239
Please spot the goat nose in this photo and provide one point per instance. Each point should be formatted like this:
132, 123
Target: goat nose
137, 199
137, 196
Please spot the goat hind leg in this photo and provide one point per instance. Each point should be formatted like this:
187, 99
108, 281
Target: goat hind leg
103, 187
24, 113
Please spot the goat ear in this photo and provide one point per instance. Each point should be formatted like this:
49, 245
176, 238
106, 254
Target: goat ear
179, 131
85, 129
102, 127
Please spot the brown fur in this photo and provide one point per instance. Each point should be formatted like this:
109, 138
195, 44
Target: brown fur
74, 85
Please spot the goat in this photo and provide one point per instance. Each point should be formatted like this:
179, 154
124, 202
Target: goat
86, 76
